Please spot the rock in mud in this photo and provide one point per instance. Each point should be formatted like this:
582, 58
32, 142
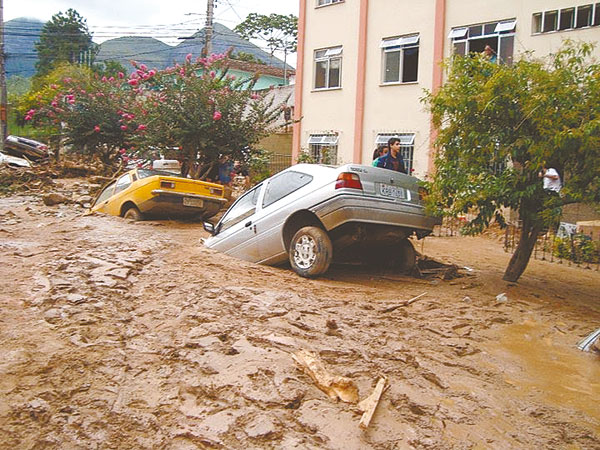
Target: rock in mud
54, 199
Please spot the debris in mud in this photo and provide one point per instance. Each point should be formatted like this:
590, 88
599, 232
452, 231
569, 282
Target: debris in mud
369, 404
501, 298
592, 341
430, 268
334, 386
405, 303
54, 199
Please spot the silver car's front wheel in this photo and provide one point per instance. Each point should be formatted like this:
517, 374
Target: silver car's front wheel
310, 251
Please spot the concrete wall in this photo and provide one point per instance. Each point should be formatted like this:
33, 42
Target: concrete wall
331, 111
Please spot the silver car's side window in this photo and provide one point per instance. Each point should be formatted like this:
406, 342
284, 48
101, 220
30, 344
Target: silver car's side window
244, 207
284, 184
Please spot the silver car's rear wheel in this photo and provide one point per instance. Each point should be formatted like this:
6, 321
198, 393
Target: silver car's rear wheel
310, 251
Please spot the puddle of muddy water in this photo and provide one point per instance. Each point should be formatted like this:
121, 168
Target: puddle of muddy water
556, 373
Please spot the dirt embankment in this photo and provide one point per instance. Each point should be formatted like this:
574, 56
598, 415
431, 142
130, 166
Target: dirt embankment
132, 335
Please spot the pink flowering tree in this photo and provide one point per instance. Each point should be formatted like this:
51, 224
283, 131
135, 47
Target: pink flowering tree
195, 112
201, 112
94, 115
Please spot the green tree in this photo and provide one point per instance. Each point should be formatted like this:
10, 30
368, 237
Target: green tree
109, 68
196, 111
65, 38
278, 31
499, 125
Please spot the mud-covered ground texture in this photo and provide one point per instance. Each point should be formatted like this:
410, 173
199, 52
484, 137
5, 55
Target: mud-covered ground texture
121, 334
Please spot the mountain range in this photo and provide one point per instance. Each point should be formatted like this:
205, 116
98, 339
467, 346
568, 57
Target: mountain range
21, 35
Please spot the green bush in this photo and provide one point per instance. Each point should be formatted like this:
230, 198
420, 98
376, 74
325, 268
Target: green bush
578, 248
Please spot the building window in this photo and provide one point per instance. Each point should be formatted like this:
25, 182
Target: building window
400, 59
407, 149
499, 36
584, 16
327, 2
566, 19
328, 68
323, 148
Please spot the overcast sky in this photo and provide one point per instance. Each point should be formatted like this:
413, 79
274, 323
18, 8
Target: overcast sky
164, 19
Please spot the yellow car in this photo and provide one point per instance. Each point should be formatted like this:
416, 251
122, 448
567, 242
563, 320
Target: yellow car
142, 193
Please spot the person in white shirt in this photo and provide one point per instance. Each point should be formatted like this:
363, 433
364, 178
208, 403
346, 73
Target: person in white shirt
551, 179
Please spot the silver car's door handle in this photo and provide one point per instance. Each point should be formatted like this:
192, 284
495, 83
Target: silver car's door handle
247, 224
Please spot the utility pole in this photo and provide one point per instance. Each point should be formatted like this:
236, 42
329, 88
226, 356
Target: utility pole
208, 29
3, 112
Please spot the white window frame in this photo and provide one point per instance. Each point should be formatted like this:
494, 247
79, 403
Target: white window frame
407, 146
328, 2
318, 142
504, 31
328, 55
542, 15
398, 44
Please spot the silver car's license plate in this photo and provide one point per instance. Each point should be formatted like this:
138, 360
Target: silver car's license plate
392, 191
191, 201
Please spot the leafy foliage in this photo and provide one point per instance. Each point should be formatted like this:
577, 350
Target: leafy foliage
194, 111
278, 31
499, 125
65, 38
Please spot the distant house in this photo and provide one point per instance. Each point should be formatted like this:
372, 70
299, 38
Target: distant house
279, 143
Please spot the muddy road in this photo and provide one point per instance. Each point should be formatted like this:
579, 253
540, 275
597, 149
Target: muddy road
117, 334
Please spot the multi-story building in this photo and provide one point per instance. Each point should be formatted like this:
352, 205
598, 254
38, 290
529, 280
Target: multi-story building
363, 66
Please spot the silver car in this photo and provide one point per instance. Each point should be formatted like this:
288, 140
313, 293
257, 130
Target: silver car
313, 214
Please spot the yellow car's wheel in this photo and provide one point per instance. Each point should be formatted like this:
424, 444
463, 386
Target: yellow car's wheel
134, 214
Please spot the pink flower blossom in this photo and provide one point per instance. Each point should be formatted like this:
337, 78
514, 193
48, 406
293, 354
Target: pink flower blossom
53, 86
152, 72
122, 151
121, 75
213, 74
104, 79
111, 79
54, 103
134, 63
31, 112
28, 117
254, 97
144, 67
217, 115
125, 158
123, 127
132, 82
97, 129
141, 127
188, 57
71, 101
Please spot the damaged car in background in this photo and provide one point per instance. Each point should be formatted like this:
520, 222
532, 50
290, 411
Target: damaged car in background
311, 215
25, 148
145, 193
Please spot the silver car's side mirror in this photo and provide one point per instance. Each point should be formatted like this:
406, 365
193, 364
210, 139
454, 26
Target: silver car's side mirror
210, 228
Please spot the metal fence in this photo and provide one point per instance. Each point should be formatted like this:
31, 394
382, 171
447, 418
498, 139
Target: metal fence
571, 249
279, 162
574, 250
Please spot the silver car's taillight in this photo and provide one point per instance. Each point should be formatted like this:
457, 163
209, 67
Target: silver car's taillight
348, 180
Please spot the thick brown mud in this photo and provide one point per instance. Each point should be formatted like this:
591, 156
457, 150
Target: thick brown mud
117, 334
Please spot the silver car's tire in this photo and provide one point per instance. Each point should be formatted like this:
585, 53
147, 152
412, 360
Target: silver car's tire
310, 252
134, 214
406, 256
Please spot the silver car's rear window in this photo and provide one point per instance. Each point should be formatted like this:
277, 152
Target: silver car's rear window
284, 184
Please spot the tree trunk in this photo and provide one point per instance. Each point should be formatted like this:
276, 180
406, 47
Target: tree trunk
522, 254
